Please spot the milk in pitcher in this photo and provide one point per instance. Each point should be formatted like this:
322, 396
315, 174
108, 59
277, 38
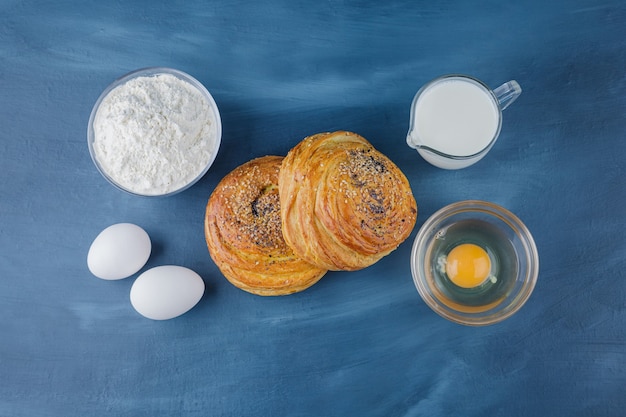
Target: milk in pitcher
457, 117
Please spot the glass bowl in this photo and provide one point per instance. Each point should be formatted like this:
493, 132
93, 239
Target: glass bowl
132, 174
511, 248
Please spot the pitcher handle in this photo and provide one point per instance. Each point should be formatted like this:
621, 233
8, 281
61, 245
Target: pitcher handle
507, 93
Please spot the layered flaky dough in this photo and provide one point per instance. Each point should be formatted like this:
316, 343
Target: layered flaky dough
344, 204
243, 232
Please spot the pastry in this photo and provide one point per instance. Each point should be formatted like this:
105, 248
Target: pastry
344, 205
243, 232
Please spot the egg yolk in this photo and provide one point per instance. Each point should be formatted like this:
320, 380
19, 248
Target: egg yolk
468, 265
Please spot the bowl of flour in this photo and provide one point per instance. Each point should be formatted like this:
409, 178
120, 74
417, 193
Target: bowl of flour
154, 132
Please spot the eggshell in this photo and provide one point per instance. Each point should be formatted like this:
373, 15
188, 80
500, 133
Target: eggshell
119, 251
165, 292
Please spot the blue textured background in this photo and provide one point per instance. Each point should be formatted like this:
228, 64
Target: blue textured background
355, 344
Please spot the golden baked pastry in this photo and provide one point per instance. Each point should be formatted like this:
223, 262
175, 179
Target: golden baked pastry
344, 205
242, 227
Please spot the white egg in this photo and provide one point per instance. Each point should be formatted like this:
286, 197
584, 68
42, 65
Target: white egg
165, 292
119, 251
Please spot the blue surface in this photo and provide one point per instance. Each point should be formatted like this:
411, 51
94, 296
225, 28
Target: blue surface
355, 344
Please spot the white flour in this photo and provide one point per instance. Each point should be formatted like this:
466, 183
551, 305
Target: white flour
154, 134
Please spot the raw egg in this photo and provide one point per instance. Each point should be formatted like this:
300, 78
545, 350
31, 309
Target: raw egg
119, 251
165, 292
468, 265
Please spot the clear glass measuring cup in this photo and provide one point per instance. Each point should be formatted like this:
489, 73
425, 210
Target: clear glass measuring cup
456, 119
